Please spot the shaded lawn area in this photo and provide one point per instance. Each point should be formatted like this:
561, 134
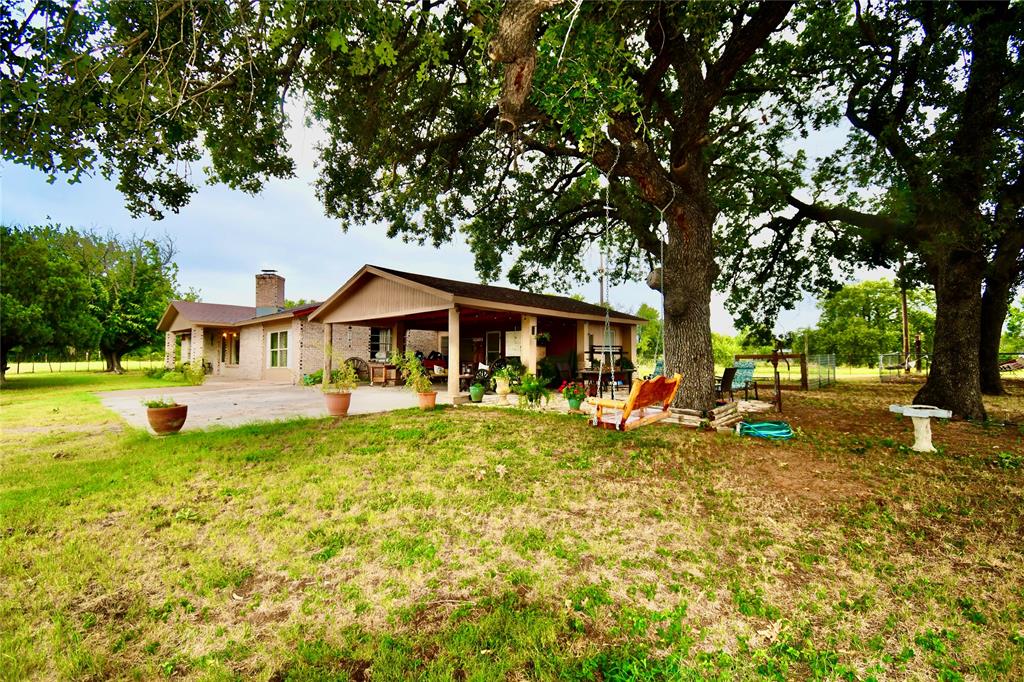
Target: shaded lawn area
487, 544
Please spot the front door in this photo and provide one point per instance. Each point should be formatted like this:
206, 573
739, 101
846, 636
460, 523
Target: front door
493, 341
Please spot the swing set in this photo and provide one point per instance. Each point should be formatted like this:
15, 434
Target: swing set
631, 413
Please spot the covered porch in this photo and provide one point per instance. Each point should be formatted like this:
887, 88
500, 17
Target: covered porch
474, 332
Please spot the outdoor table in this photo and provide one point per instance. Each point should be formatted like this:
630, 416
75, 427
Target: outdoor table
607, 378
384, 373
921, 416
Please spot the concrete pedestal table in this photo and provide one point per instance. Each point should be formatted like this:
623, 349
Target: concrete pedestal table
921, 415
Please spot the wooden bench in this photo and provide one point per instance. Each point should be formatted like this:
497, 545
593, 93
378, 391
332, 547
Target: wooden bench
644, 394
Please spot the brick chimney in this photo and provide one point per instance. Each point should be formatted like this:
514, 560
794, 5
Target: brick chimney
269, 292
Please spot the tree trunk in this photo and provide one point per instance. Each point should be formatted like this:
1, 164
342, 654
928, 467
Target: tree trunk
995, 303
954, 380
1000, 281
113, 360
688, 276
3, 363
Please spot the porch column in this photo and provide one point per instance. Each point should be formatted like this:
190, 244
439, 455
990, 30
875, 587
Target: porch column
581, 345
197, 347
628, 332
169, 348
328, 351
453, 351
398, 336
528, 341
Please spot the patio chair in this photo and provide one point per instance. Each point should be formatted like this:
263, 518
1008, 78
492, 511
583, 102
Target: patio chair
1012, 365
744, 378
659, 370
644, 394
724, 384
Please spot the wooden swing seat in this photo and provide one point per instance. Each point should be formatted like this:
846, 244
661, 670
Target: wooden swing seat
644, 394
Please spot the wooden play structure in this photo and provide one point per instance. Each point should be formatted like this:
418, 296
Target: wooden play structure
631, 413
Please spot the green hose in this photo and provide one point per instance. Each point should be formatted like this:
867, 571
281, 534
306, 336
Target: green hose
769, 430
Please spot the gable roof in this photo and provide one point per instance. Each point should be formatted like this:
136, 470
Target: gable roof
507, 295
206, 312
469, 293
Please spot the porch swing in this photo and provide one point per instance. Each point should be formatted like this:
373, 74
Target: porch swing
660, 391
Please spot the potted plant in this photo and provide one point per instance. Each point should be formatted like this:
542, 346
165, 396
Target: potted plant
532, 389
338, 391
165, 416
503, 378
543, 339
574, 392
416, 378
476, 392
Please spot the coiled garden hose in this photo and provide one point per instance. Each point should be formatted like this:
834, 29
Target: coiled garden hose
768, 430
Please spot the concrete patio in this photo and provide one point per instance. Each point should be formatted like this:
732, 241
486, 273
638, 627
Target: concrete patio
226, 402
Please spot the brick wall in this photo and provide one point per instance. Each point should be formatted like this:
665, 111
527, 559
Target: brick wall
421, 340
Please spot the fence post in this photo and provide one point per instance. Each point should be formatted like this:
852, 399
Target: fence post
803, 372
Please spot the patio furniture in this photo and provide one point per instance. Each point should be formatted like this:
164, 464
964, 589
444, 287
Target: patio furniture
361, 366
921, 415
744, 378
1012, 365
383, 373
644, 394
724, 384
596, 381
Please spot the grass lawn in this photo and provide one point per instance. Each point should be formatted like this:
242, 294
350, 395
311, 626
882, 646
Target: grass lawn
486, 544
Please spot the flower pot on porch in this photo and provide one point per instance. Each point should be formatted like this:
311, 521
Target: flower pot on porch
502, 388
167, 419
337, 403
427, 400
476, 393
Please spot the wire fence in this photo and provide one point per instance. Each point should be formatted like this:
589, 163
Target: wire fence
821, 370
90, 362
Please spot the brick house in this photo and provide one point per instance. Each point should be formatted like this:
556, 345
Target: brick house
267, 340
379, 309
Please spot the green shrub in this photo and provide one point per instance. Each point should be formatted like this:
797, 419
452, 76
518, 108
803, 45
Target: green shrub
173, 376
155, 372
195, 373
313, 378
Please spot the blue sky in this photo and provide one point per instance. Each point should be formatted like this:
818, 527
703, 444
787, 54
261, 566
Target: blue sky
223, 237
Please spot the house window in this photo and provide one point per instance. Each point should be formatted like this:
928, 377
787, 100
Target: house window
230, 348
380, 343
278, 349
442, 344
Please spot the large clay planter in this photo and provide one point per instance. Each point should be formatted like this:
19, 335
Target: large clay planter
167, 419
476, 393
502, 388
337, 403
427, 400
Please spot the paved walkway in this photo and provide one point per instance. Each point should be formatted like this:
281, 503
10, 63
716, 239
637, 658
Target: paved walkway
232, 403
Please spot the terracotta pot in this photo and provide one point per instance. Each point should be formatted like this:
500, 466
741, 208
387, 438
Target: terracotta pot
427, 400
167, 419
337, 403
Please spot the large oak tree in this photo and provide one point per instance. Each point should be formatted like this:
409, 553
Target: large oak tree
502, 119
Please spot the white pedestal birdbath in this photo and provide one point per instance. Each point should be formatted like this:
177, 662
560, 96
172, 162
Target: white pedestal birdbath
921, 415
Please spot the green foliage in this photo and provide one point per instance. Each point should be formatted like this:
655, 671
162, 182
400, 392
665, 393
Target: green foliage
45, 293
1013, 339
160, 402
860, 321
649, 345
343, 379
532, 390
194, 373
416, 377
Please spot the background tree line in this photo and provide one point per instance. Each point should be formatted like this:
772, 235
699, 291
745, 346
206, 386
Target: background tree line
64, 291
671, 134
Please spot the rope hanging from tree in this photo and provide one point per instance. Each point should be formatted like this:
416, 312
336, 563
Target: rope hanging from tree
662, 238
605, 253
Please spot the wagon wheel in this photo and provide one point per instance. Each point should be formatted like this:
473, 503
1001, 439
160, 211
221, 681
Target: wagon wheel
362, 369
